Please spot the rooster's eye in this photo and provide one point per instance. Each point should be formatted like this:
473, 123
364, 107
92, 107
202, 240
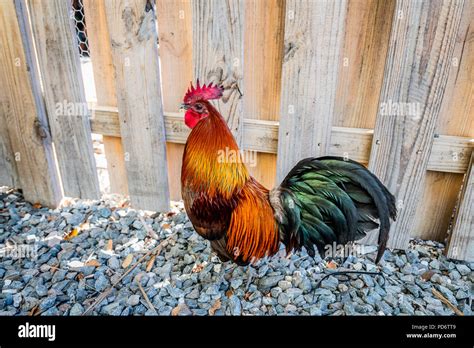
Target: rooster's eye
198, 108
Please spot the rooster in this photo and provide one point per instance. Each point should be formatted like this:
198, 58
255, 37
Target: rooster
321, 201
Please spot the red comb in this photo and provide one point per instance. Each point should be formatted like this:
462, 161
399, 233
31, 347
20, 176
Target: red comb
202, 92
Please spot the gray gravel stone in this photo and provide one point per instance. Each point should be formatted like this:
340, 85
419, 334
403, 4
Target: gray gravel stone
187, 276
48, 302
283, 299
235, 306
269, 282
133, 300
76, 310
330, 283
101, 283
463, 269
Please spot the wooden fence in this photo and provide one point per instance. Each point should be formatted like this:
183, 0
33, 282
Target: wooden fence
386, 83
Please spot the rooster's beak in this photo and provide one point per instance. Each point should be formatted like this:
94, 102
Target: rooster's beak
183, 106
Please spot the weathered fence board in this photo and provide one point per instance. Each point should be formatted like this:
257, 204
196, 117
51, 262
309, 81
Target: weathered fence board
218, 48
133, 35
8, 171
262, 136
313, 40
366, 36
264, 33
100, 51
64, 97
416, 72
25, 118
461, 243
456, 119
175, 38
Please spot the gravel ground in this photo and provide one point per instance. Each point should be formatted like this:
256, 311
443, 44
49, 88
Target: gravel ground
58, 262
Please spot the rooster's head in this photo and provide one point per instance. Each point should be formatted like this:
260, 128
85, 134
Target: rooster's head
195, 102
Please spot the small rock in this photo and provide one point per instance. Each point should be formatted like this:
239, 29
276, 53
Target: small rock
343, 287
235, 306
330, 283
48, 302
133, 300
358, 283
41, 290
113, 308
283, 299
463, 269
101, 283
269, 282
113, 263
236, 283
284, 285
76, 310
368, 280
17, 298
434, 264
105, 212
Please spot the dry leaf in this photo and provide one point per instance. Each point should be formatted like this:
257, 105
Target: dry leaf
175, 311
84, 226
127, 261
71, 234
34, 311
229, 293
150, 263
247, 296
92, 262
75, 264
37, 206
80, 276
215, 307
427, 275
124, 203
197, 268
332, 265
166, 226
109, 246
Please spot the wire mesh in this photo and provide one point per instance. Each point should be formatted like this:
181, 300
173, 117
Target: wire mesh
77, 15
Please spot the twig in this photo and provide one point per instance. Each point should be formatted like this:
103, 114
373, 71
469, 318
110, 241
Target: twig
106, 293
148, 229
446, 301
145, 296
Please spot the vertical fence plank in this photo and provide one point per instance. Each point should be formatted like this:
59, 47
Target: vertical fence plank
313, 40
25, 118
264, 30
461, 243
366, 37
100, 50
440, 191
64, 97
133, 35
218, 54
416, 71
8, 170
175, 38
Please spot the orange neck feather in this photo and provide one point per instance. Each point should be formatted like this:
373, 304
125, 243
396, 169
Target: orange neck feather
207, 166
